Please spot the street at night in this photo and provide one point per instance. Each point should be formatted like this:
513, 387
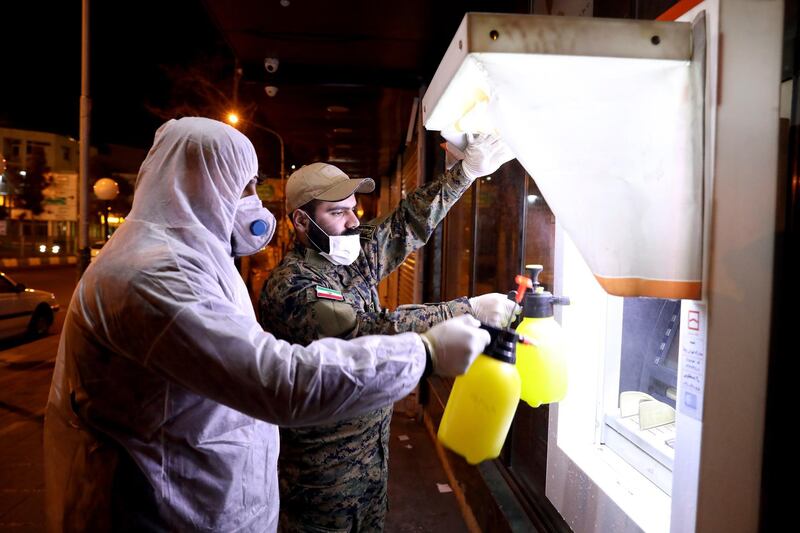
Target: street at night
26, 367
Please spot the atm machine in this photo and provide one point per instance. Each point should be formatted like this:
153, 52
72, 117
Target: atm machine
655, 144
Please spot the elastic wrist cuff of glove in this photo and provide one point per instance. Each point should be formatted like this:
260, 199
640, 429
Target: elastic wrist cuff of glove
467, 174
430, 361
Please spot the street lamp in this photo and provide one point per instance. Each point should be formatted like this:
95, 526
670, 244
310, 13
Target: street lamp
106, 189
233, 119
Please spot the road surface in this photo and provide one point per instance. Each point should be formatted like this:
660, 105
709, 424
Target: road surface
26, 367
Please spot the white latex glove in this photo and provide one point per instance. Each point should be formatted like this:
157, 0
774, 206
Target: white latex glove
484, 154
454, 344
493, 308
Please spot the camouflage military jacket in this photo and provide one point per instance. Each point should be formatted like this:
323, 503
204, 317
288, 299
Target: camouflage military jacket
306, 298
295, 306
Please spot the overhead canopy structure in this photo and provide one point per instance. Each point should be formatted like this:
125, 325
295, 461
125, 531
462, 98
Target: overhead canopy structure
607, 117
347, 75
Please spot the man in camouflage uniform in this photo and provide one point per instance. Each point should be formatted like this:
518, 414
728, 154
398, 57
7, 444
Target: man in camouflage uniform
334, 476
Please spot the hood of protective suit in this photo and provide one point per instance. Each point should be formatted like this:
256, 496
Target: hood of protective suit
214, 162
161, 359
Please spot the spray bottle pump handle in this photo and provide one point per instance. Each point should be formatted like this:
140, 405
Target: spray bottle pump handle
533, 272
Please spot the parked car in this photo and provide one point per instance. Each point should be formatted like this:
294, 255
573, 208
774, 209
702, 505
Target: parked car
24, 310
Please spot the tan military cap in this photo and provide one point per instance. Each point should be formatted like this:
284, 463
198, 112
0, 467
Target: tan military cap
321, 181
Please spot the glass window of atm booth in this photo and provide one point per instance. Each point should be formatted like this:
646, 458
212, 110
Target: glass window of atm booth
498, 226
618, 417
615, 430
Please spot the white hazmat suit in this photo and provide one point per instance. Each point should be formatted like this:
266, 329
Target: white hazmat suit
161, 360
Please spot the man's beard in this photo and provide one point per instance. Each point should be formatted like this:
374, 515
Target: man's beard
321, 239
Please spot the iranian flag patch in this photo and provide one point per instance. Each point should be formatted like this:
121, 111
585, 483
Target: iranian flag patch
329, 294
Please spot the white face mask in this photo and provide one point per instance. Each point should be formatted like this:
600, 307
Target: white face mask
344, 249
253, 226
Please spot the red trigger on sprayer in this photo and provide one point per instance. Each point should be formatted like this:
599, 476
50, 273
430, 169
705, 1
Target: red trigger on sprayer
523, 283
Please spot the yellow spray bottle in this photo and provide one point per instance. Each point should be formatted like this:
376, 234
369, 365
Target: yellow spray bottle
541, 363
483, 401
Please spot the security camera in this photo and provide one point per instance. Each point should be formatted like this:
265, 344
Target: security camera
271, 64
271, 90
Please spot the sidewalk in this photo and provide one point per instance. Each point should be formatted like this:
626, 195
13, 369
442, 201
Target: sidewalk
420, 498
25, 372
27, 262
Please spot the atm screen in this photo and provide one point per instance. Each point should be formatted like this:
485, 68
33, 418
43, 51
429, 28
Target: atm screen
649, 361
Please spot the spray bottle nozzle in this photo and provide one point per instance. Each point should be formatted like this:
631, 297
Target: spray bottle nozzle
494, 331
527, 341
522, 284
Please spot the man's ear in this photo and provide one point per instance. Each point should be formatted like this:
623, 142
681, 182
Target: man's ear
300, 220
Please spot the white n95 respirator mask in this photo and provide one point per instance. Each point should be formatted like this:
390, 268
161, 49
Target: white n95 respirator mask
253, 226
342, 250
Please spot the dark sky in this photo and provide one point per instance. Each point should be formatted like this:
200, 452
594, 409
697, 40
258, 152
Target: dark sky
40, 82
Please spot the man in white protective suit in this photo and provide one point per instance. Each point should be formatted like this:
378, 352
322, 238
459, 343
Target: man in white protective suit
166, 393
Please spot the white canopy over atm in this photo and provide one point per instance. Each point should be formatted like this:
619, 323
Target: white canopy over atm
607, 117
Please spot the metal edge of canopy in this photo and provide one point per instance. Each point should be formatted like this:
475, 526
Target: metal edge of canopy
553, 35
